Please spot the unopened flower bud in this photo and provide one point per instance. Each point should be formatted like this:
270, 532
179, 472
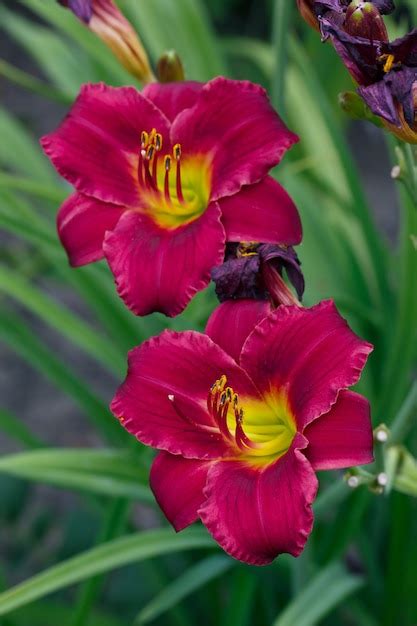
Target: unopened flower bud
105, 19
363, 19
354, 106
170, 68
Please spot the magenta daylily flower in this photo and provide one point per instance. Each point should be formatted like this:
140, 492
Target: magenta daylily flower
243, 421
164, 178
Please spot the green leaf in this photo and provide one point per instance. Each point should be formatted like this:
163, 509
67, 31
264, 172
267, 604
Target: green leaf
60, 318
111, 473
185, 584
20, 153
65, 64
182, 25
104, 558
323, 594
18, 336
18, 431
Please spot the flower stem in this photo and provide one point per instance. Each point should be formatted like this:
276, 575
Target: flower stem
406, 417
280, 38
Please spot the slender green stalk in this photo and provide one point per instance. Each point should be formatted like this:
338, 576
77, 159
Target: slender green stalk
25, 80
280, 38
401, 353
406, 417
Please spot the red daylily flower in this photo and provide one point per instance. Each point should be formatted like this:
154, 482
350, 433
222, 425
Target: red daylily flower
164, 178
244, 416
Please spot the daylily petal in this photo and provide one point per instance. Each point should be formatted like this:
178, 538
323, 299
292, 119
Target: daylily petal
178, 484
343, 437
235, 123
163, 400
256, 514
231, 322
262, 212
172, 98
82, 224
311, 353
158, 269
96, 148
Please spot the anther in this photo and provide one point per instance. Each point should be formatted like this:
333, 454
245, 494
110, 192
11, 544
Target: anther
147, 158
177, 156
144, 139
167, 166
158, 142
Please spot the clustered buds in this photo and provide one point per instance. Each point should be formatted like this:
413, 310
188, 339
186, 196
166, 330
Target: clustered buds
385, 71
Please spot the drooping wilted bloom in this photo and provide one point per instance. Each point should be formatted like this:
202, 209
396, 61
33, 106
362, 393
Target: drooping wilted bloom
387, 75
253, 270
104, 18
164, 178
240, 438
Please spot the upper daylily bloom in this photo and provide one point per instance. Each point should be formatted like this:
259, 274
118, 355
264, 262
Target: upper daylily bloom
243, 420
254, 270
164, 177
104, 18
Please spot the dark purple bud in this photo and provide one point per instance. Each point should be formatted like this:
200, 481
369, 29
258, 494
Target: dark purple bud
363, 19
255, 271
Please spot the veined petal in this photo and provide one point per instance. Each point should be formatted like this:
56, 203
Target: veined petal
172, 98
255, 514
163, 401
158, 269
310, 353
82, 224
97, 146
342, 437
234, 122
177, 485
261, 212
231, 323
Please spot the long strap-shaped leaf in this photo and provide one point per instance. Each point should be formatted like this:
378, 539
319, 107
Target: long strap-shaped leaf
103, 558
325, 591
111, 473
192, 579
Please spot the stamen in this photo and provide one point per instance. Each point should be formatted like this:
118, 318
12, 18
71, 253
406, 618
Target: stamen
167, 166
177, 156
389, 61
152, 135
144, 139
157, 145
149, 154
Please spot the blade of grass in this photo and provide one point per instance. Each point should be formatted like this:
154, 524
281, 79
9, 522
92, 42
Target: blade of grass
282, 13
60, 318
323, 594
104, 558
190, 581
17, 335
104, 472
18, 431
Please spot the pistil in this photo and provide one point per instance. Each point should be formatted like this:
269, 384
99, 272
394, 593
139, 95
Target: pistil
177, 156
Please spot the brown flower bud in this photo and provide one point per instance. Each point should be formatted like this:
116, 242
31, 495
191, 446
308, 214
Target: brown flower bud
170, 68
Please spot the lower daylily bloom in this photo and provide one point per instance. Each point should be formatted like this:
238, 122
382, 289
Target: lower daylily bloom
254, 270
242, 426
164, 177
104, 18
